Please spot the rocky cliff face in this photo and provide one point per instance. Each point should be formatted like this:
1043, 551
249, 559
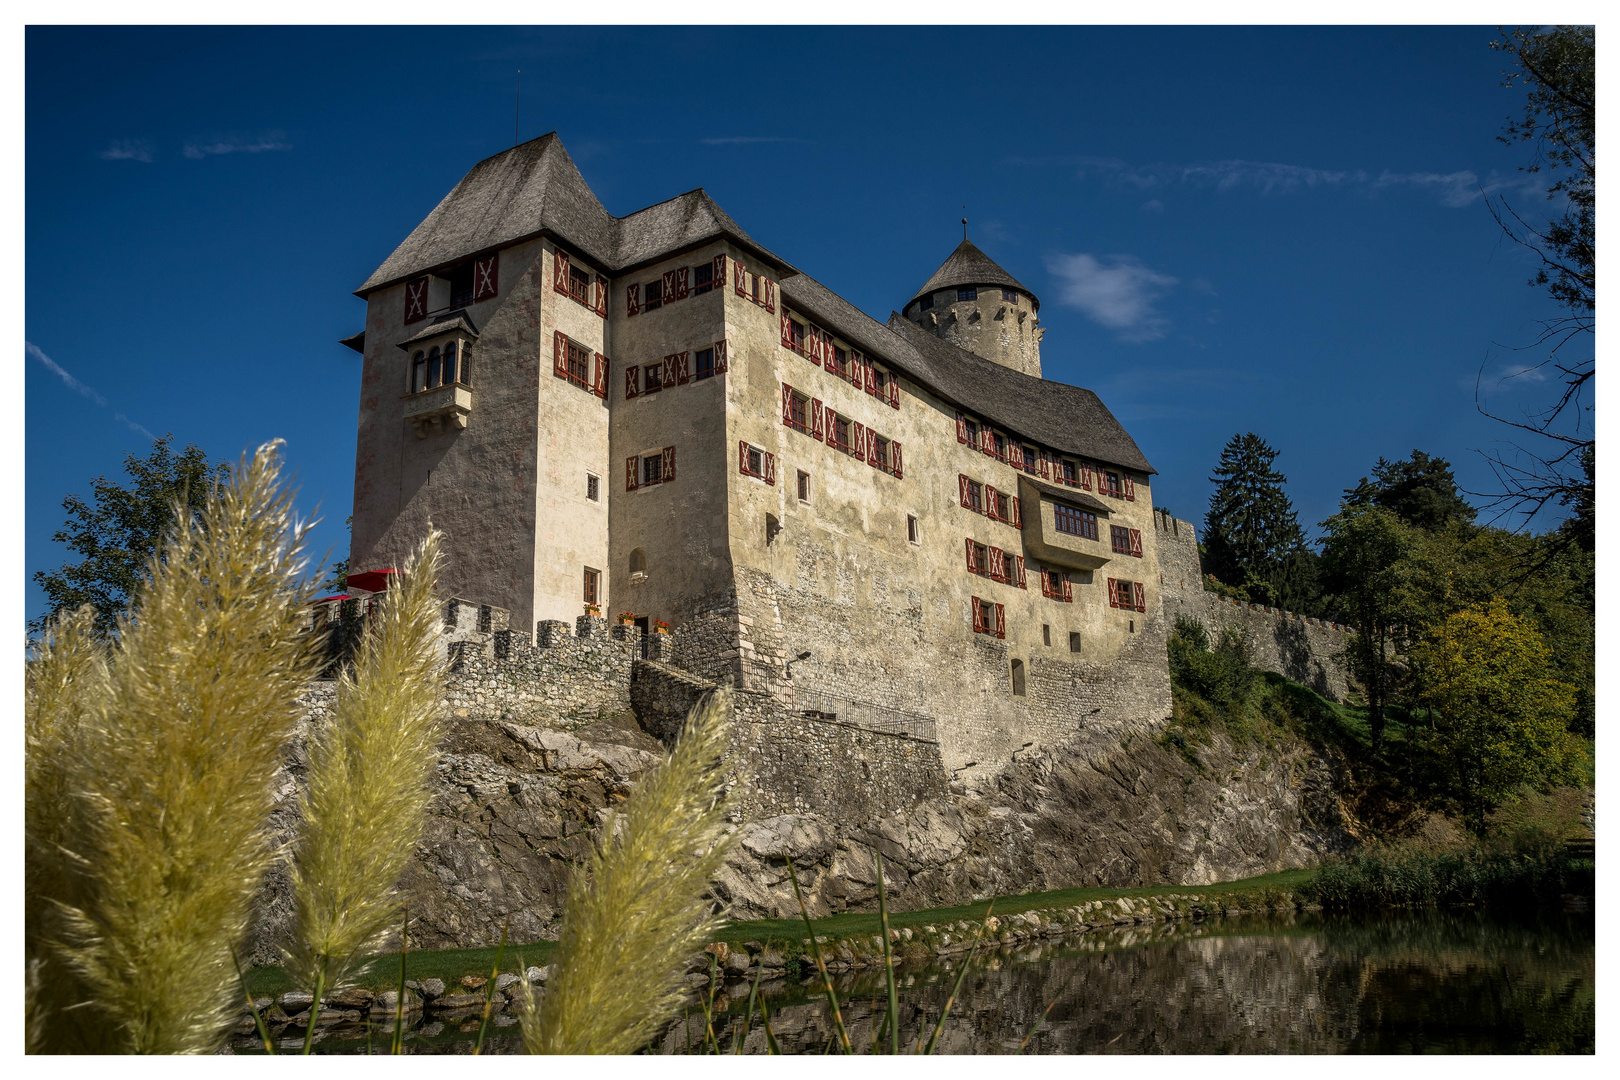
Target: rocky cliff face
519, 806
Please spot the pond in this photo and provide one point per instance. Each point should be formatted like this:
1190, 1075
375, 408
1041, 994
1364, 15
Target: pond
1452, 982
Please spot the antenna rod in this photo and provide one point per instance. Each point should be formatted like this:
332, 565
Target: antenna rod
964, 223
517, 108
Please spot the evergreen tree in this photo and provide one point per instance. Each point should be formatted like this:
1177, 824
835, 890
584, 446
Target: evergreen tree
1251, 532
1420, 491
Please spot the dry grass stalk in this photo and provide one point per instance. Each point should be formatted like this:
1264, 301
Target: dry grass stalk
171, 775
637, 912
370, 767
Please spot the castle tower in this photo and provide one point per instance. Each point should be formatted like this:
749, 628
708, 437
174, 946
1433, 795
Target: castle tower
976, 305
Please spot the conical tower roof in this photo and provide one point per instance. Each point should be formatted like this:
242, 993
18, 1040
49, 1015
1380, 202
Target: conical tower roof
968, 265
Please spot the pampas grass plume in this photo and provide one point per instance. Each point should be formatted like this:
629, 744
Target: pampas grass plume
368, 785
637, 911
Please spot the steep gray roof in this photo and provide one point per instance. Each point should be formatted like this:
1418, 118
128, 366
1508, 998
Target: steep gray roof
967, 265
1063, 417
535, 187
442, 325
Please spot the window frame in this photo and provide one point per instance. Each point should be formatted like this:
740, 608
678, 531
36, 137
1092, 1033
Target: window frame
593, 585
1063, 515
593, 486
648, 301
802, 487
698, 370
965, 294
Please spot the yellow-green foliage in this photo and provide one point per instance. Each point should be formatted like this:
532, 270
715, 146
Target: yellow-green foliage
160, 796
368, 785
1501, 720
637, 911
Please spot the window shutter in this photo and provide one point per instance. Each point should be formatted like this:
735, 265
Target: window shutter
1113, 592
1015, 455
683, 367
1001, 621
719, 272
485, 272
998, 563
559, 272
894, 391
770, 469
1141, 596
868, 372
818, 419
630, 473
972, 564
683, 282
632, 299
990, 503
631, 381
741, 275
599, 384
1068, 589
669, 286
669, 464
1018, 571
601, 296
961, 428
871, 448
1085, 475
770, 295
962, 482
416, 300
978, 618
1136, 542
787, 328
559, 354
895, 462
1130, 487
1017, 513
719, 349
787, 404
857, 440
1045, 466
742, 457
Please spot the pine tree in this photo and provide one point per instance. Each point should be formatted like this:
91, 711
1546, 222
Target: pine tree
1251, 533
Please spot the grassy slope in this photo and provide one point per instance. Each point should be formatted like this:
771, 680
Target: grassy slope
452, 964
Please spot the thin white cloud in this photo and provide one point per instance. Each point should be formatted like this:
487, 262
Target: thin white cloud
746, 140
128, 150
1115, 291
233, 144
78, 387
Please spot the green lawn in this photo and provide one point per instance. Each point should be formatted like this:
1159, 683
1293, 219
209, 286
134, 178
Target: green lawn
451, 964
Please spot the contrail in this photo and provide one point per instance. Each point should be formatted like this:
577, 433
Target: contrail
88, 391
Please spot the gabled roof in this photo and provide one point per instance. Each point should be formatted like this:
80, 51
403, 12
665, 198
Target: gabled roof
1063, 417
535, 187
967, 265
444, 324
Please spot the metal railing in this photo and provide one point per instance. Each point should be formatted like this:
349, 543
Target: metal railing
865, 714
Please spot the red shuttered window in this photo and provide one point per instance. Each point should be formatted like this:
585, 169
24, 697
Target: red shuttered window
1001, 621
632, 299
961, 428
962, 484
1068, 589
559, 354
416, 300
559, 271
719, 356
787, 331
599, 295
599, 385
979, 625
770, 295
630, 473
898, 463
818, 419
857, 441
1017, 513
1113, 592
720, 271
669, 464
683, 282
1136, 542
670, 293
972, 557
485, 272
632, 381
894, 391
770, 469
1140, 591
682, 363
1018, 572
741, 277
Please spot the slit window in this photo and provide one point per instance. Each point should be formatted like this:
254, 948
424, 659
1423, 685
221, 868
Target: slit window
593, 487
1018, 678
804, 486
911, 528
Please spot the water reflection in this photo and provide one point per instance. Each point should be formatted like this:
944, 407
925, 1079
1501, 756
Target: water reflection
1396, 983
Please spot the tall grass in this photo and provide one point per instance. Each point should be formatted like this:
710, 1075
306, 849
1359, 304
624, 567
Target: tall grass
1413, 877
637, 910
149, 779
361, 813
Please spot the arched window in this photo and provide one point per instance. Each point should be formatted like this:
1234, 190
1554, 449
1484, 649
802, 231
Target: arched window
1018, 678
433, 367
638, 564
450, 363
418, 373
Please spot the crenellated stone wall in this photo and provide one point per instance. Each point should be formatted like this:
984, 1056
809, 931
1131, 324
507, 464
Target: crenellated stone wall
1303, 649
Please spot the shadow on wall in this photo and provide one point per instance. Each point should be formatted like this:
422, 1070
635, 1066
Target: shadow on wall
1297, 662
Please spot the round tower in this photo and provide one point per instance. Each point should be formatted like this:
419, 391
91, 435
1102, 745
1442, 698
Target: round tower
976, 305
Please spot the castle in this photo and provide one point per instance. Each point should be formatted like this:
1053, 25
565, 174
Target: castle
654, 414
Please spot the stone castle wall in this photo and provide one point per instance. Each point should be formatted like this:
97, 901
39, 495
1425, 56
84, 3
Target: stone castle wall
1303, 649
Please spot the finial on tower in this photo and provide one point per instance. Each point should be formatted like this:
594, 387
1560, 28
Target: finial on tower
964, 221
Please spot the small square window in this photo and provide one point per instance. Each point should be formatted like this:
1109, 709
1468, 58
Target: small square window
652, 469
704, 361
593, 487
970, 293
756, 461
911, 528
1074, 641
804, 486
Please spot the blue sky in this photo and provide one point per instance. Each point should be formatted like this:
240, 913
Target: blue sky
1230, 229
